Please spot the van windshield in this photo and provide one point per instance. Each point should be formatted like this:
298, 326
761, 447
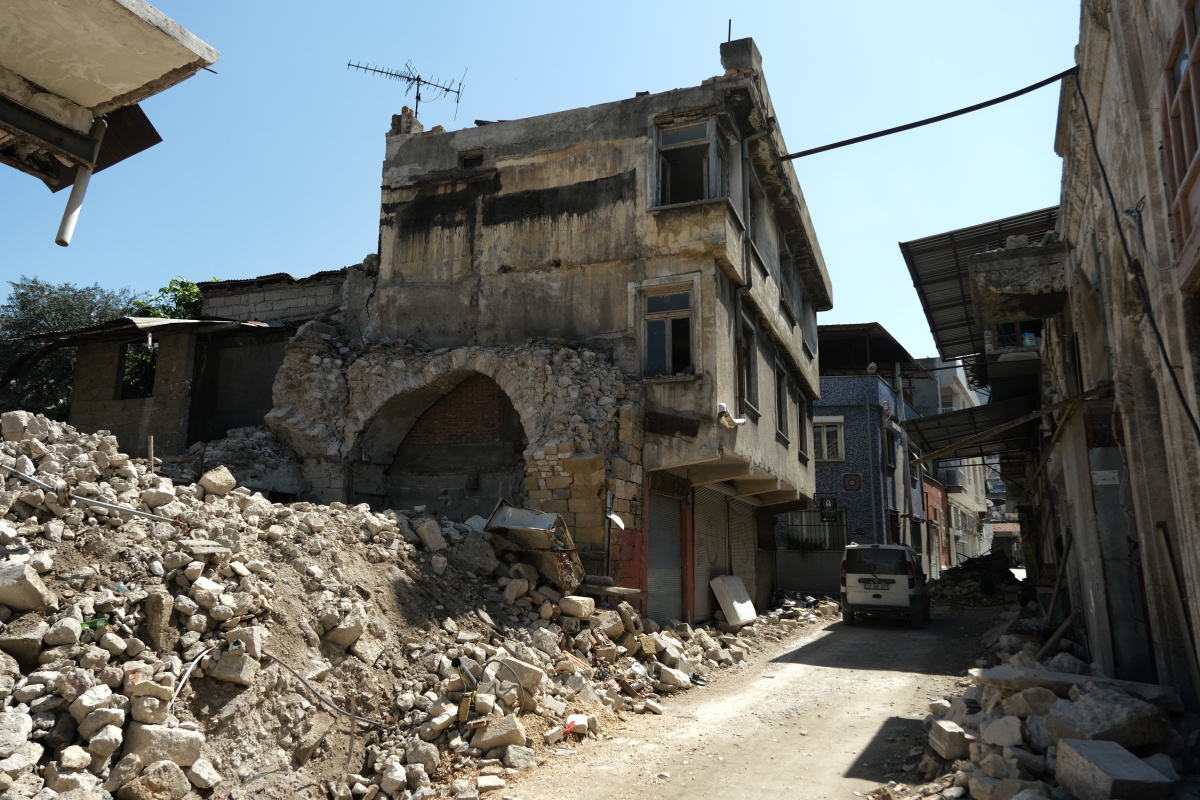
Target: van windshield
876, 562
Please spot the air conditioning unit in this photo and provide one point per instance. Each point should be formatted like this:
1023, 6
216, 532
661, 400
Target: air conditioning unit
952, 476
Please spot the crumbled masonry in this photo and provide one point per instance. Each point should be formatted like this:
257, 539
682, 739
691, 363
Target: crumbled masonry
227, 652
1054, 728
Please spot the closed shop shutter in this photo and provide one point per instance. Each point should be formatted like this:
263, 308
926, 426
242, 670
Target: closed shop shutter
743, 541
665, 579
711, 547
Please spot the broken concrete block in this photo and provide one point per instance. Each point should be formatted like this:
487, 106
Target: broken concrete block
476, 555
393, 779
430, 534
253, 638
154, 743
1110, 715
373, 642
735, 601
489, 783
96, 697
424, 754
577, 606
516, 588
126, 770
519, 757
235, 666
610, 622
65, 631
157, 627
25, 757
202, 774
1031, 702
22, 589
949, 740
161, 780
529, 675
631, 618
350, 628
107, 741
98, 719
219, 481
1103, 770
1004, 732
15, 729
501, 732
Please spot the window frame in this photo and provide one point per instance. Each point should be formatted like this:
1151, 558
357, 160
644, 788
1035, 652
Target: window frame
672, 284
783, 398
716, 162
126, 387
839, 423
803, 424
1179, 116
747, 365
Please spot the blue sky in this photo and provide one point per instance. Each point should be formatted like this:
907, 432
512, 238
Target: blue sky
273, 164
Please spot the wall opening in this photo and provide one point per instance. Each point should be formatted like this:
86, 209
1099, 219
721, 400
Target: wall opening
457, 455
138, 361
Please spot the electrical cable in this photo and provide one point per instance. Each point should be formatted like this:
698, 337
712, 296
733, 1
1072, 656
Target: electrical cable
378, 723
931, 120
1143, 293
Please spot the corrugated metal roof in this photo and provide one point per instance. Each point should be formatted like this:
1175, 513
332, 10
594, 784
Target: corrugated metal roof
274, 277
838, 355
938, 266
943, 430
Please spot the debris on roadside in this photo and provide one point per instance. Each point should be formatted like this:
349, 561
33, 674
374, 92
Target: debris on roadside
158, 636
984, 580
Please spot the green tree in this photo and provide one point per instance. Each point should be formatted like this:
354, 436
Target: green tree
179, 299
35, 308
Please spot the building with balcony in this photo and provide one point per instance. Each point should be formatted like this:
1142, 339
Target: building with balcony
607, 309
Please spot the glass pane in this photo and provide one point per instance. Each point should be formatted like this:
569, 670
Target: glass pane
688, 133
668, 302
681, 345
1196, 17
876, 562
1181, 61
656, 347
832, 451
688, 173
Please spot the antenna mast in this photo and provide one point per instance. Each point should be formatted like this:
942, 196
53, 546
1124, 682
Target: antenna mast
412, 79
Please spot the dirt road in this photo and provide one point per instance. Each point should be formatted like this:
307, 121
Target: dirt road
834, 712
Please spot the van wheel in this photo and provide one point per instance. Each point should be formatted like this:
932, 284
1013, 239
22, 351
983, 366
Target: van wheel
917, 618
847, 616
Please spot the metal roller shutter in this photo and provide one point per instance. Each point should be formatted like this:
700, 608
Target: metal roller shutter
710, 548
743, 542
665, 579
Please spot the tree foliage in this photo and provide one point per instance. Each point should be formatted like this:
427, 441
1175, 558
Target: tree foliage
179, 299
35, 307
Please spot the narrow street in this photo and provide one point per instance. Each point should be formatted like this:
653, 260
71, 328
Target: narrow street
834, 712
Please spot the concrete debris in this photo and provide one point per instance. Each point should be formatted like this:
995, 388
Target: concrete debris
144, 658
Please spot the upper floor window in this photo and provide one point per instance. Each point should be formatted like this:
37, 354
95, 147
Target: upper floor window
1181, 137
668, 323
782, 406
747, 356
827, 441
691, 163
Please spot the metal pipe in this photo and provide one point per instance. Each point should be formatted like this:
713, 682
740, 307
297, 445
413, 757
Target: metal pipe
82, 177
88, 500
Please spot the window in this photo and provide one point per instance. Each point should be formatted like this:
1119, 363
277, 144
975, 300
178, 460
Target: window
668, 320
748, 371
806, 530
691, 164
827, 441
890, 455
1181, 140
137, 370
782, 406
802, 424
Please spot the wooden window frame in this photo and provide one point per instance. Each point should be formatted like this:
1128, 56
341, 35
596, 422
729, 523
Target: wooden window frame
1180, 117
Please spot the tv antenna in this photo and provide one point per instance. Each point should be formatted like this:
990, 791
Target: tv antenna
413, 79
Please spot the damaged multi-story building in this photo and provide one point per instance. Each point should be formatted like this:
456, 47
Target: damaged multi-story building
605, 309
1083, 322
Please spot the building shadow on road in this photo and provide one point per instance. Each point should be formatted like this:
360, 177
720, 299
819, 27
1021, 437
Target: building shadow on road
885, 757
947, 646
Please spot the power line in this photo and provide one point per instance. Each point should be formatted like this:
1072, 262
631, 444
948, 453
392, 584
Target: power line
931, 120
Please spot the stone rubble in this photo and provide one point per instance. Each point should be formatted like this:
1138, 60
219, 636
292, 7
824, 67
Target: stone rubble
1056, 729
149, 659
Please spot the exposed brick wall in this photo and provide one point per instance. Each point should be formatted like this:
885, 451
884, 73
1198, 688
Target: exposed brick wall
470, 412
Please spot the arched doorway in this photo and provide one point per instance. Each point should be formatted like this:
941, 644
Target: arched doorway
456, 452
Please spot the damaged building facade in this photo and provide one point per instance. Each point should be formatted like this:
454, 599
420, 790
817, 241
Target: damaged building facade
605, 309
1083, 322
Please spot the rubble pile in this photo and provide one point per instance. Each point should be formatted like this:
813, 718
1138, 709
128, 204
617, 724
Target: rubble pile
1031, 729
253, 454
982, 581
292, 649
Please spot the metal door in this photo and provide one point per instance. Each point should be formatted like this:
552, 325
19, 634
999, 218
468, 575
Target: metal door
665, 579
743, 541
710, 515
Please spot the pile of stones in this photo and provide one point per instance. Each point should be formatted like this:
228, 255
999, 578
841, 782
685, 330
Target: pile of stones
197, 638
254, 454
982, 581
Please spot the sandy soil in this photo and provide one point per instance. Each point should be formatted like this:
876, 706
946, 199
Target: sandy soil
831, 714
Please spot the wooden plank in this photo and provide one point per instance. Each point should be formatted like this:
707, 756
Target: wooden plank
612, 591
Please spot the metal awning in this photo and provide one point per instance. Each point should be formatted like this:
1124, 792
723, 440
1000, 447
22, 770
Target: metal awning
938, 266
942, 431
848, 349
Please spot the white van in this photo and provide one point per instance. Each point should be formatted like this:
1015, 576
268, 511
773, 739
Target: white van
883, 579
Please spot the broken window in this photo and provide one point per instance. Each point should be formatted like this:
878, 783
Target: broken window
827, 441
747, 371
691, 164
137, 370
668, 320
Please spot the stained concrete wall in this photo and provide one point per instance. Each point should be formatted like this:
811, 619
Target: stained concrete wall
276, 300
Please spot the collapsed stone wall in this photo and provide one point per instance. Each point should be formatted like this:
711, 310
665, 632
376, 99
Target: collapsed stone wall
335, 399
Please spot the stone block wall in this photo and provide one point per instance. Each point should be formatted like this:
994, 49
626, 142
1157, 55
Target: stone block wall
318, 297
96, 403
